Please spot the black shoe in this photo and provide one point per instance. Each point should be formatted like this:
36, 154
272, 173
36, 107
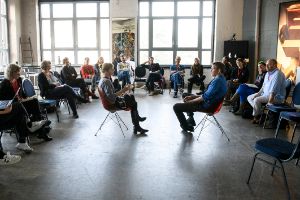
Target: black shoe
95, 97
141, 119
191, 121
139, 129
175, 95
75, 116
187, 128
45, 137
82, 100
48, 122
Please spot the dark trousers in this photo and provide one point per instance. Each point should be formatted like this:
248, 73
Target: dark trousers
17, 118
189, 108
64, 92
79, 82
33, 109
196, 80
131, 105
153, 77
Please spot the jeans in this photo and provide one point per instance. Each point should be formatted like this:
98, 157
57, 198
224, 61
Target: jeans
94, 82
124, 76
176, 79
244, 91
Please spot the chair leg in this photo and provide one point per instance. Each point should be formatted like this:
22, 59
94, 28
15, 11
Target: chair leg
278, 125
200, 122
118, 117
285, 181
294, 129
266, 119
204, 120
102, 124
57, 114
119, 124
252, 166
1, 133
221, 128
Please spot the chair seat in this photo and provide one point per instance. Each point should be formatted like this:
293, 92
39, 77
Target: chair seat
292, 116
140, 79
277, 148
280, 108
47, 102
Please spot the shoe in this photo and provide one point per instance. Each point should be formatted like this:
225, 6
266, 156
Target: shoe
82, 100
45, 137
187, 128
175, 95
75, 116
37, 125
144, 87
9, 159
239, 112
191, 121
139, 129
255, 121
48, 122
151, 93
199, 93
141, 119
24, 147
95, 97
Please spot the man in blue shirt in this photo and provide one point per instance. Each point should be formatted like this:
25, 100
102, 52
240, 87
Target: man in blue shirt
207, 102
176, 75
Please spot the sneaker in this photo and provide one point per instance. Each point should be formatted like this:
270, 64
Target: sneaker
9, 159
37, 125
24, 147
175, 95
75, 116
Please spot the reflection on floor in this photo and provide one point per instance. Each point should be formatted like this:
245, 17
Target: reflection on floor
164, 164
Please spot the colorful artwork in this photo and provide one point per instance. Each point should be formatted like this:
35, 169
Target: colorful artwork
288, 48
123, 43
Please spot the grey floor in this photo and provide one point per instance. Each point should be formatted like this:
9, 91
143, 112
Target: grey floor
164, 164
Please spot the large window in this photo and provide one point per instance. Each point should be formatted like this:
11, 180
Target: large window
75, 30
3, 35
176, 27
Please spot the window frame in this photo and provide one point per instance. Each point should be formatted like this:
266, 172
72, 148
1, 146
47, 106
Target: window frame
75, 48
7, 50
175, 20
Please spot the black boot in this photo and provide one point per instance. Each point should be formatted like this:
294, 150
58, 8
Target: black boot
135, 120
137, 129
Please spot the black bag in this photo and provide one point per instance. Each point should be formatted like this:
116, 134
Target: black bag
121, 103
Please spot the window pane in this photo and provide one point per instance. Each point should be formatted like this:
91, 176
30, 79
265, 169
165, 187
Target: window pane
162, 9
3, 58
47, 56
206, 33
144, 34
93, 55
62, 54
86, 9
4, 40
163, 57
143, 56
188, 8
62, 10
86, 33
3, 7
45, 11
63, 33
104, 9
207, 8
106, 55
187, 57
46, 34
144, 9
206, 58
188, 38
104, 33
162, 32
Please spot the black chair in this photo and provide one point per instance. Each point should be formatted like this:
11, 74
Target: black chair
280, 151
139, 75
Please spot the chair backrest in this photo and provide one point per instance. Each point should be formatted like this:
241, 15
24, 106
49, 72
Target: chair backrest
140, 72
28, 88
162, 71
62, 78
288, 86
296, 96
217, 108
58, 76
106, 104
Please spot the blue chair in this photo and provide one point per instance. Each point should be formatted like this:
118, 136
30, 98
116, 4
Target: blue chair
280, 151
29, 91
277, 108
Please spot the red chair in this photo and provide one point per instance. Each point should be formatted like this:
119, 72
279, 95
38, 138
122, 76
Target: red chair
210, 117
112, 113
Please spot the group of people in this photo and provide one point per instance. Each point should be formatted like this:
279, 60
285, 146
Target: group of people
228, 84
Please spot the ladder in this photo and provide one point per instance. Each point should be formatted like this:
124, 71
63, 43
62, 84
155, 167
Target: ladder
26, 51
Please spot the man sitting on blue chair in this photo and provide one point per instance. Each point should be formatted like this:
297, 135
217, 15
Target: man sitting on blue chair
123, 71
208, 102
176, 75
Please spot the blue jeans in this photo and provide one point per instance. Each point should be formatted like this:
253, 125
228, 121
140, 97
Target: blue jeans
124, 76
176, 79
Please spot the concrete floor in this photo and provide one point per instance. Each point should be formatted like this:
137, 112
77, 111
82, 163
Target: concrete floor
165, 164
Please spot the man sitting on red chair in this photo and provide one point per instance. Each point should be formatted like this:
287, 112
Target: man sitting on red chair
208, 102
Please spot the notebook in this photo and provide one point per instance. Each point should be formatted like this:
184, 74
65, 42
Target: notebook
5, 103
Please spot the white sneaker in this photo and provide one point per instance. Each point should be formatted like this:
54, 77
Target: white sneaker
10, 159
37, 125
24, 147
